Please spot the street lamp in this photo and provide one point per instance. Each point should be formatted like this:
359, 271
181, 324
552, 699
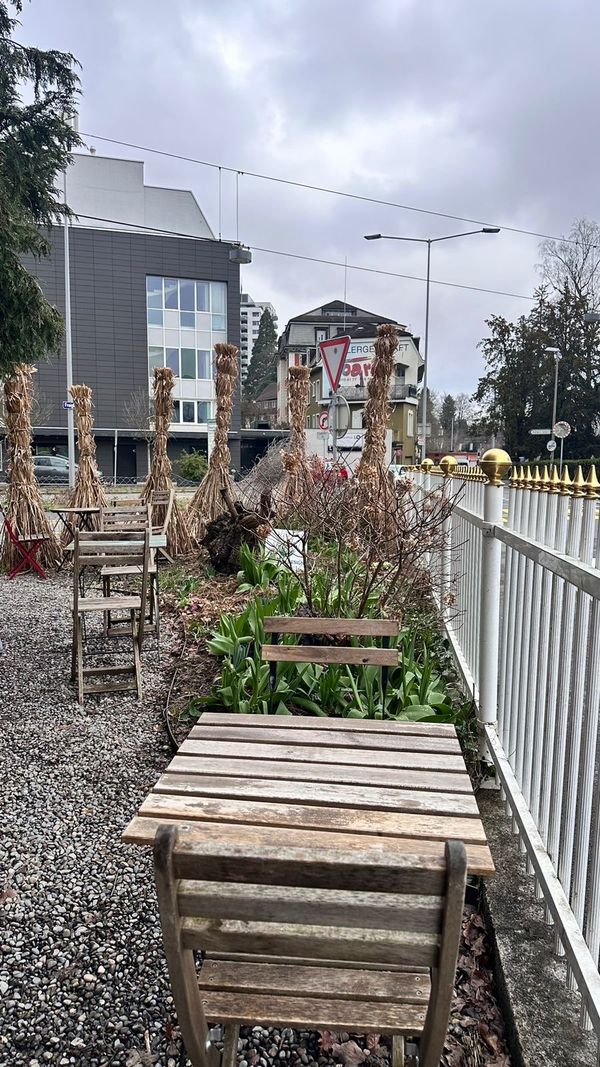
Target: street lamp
429, 241
557, 355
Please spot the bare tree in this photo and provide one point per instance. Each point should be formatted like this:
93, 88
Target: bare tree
573, 264
138, 412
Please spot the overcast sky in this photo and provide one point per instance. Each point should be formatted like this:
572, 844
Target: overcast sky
486, 110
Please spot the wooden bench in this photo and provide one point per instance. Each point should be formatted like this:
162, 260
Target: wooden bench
384, 657
310, 938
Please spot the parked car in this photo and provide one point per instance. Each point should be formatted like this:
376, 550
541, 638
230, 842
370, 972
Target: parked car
51, 470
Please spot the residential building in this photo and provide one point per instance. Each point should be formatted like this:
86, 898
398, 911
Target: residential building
299, 344
250, 315
265, 407
139, 299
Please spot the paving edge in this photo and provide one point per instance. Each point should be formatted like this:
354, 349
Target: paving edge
541, 1015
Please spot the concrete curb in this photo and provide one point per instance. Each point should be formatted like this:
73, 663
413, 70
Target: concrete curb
541, 1015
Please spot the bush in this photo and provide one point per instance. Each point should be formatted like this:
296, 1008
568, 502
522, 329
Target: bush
192, 465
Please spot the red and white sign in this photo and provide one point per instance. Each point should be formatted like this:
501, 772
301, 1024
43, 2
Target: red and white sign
323, 421
333, 353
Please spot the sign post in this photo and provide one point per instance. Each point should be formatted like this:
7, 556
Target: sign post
333, 354
561, 430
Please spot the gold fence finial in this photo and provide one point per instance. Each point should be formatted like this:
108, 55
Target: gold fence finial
536, 479
495, 463
565, 482
554, 480
527, 480
448, 465
545, 479
579, 482
592, 484
426, 465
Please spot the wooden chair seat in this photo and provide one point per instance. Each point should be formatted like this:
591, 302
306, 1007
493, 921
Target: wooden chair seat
114, 571
314, 997
122, 603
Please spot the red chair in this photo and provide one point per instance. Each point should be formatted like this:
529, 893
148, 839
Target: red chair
27, 547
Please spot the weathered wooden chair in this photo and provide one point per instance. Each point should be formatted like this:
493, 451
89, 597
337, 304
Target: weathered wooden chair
317, 941
95, 552
161, 506
132, 517
384, 657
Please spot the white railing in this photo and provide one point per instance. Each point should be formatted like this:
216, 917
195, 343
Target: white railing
523, 619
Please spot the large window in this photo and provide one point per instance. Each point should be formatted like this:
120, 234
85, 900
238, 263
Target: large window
185, 318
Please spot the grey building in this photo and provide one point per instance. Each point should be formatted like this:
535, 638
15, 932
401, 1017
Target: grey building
139, 299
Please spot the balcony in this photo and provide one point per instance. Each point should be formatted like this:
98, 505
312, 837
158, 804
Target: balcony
359, 393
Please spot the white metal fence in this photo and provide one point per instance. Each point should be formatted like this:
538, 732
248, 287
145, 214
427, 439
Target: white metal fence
520, 593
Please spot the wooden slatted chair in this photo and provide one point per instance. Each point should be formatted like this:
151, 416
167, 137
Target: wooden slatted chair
95, 552
317, 941
131, 517
161, 506
384, 657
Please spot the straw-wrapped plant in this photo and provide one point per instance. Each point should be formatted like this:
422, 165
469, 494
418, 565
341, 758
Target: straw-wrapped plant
87, 491
299, 477
208, 501
372, 469
179, 540
24, 509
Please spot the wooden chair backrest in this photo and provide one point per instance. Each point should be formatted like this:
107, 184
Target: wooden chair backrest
161, 506
326, 654
98, 549
262, 898
125, 517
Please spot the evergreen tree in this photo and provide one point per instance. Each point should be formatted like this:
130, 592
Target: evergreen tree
263, 365
35, 141
448, 415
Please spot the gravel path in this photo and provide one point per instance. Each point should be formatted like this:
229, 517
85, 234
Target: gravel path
82, 975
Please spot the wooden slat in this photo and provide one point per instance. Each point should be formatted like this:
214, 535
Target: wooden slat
284, 904
307, 1013
374, 850
353, 627
305, 816
428, 761
325, 654
340, 738
109, 603
430, 803
342, 983
310, 722
442, 781
321, 942
289, 961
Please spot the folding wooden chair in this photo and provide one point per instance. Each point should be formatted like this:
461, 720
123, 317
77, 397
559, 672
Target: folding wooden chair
92, 551
131, 517
326, 655
161, 506
312, 939
27, 548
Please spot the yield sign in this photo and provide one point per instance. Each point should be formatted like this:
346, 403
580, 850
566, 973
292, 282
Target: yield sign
333, 354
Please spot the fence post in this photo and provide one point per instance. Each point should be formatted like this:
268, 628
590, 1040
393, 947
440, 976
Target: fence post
448, 464
494, 463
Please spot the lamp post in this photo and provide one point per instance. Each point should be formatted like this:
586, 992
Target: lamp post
556, 353
429, 241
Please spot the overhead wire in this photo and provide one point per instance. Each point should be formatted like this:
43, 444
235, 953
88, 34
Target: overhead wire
325, 189
311, 259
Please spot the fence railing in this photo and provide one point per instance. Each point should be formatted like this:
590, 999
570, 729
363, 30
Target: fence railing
520, 596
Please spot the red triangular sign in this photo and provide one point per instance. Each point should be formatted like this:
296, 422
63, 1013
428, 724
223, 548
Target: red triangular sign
333, 354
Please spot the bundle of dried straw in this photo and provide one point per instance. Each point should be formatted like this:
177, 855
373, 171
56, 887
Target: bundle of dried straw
24, 508
373, 467
208, 501
87, 491
179, 541
295, 461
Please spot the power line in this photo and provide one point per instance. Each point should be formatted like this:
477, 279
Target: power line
326, 189
311, 259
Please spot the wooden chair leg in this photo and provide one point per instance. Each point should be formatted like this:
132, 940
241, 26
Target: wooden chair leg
397, 1050
229, 1057
106, 593
136, 655
74, 650
80, 693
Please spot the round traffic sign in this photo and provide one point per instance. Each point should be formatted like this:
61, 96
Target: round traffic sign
323, 420
561, 429
551, 445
